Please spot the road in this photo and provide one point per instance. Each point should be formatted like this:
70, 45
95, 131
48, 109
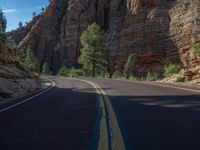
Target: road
150, 117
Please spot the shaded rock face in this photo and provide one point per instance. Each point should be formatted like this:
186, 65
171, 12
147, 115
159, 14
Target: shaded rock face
15, 80
19, 34
159, 32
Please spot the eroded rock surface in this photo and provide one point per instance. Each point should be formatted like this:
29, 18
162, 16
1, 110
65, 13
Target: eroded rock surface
158, 31
15, 80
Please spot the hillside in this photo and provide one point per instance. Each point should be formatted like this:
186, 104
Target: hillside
160, 32
15, 80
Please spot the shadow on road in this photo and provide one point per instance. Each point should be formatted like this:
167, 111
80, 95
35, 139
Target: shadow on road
159, 122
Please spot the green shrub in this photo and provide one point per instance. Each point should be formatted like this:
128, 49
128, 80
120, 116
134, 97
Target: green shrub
63, 71
32, 62
20, 54
76, 72
3, 37
117, 74
133, 78
196, 48
46, 69
180, 79
72, 72
151, 76
103, 74
172, 69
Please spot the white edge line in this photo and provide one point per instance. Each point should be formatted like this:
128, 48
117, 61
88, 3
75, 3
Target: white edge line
30, 98
160, 85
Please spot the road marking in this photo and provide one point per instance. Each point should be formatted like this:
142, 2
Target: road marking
160, 85
30, 98
109, 125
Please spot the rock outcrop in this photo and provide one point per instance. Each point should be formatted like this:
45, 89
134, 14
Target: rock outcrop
15, 80
158, 31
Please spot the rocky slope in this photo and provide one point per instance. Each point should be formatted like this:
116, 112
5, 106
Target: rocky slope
158, 31
15, 80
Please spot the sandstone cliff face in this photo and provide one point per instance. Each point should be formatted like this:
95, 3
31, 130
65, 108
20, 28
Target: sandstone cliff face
159, 32
15, 80
19, 34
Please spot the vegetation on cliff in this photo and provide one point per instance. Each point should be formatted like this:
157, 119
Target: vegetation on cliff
196, 48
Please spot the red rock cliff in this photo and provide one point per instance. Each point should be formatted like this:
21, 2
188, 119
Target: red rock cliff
158, 31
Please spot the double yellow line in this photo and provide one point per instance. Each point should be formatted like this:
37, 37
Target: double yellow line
110, 133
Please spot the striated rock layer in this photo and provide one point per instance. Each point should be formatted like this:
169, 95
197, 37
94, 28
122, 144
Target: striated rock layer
158, 31
15, 80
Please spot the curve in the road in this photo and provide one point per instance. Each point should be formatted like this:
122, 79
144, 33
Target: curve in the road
110, 133
30, 98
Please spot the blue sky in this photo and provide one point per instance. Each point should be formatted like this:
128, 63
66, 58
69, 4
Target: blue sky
20, 10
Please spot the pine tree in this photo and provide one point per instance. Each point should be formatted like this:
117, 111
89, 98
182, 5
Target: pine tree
31, 61
3, 25
46, 69
93, 53
129, 67
20, 24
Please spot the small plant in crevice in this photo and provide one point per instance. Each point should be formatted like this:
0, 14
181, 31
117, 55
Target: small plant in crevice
196, 48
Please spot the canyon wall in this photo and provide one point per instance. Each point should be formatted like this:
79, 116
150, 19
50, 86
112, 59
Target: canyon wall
15, 80
159, 32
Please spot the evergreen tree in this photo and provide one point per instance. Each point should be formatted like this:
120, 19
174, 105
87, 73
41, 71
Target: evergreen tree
46, 69
20, 24
31, 61
34, 14
93, 54
3, 22
129, 67
3, 25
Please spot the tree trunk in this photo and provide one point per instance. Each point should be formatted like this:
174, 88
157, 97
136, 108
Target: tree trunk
93, 68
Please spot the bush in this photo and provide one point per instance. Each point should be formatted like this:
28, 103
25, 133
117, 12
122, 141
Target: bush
3, 37
133, 78
20, 54
32, 62
117, 74
76, 72
46, 70
151, 76
63, 71
71, 72
172, 69
196, 48
103, 74
180, 79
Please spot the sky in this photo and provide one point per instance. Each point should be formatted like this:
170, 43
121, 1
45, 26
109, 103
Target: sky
20, 10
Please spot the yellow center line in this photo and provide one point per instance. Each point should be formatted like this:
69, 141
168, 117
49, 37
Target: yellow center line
108, 117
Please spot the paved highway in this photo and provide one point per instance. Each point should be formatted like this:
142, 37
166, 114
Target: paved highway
67, 117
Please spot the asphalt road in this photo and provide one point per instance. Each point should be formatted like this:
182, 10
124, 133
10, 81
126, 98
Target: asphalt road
61, 119
150, 117
153, 117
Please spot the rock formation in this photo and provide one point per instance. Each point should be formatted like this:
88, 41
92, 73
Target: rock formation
158, 31
15, 80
